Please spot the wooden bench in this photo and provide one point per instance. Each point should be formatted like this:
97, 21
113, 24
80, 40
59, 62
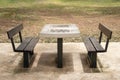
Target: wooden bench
93, 46
26, 46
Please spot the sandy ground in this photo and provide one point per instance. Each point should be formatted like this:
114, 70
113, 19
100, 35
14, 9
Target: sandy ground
75, 64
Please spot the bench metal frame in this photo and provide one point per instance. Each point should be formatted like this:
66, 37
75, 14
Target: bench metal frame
93, 46
27, 45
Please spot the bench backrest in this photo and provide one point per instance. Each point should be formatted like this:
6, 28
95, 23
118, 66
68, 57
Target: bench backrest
11, 33
108, 33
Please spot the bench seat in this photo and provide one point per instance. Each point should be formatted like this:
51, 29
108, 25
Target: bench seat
96, 44
88, 44
27, 45
93, 45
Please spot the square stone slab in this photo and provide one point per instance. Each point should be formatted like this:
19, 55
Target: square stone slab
60, 30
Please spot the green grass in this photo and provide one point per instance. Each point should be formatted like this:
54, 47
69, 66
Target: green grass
82, 3
15, 3
19, 9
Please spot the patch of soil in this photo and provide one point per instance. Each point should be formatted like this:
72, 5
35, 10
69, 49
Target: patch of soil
88, 25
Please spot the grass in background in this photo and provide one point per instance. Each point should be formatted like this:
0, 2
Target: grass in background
82, 3
40, 12
18, 8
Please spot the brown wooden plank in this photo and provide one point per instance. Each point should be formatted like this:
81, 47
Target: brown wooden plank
89, 46
23, 45
105, 30
14, 31
32, 44
96, 45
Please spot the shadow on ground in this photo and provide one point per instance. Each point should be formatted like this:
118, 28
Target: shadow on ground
85, 65
47, 63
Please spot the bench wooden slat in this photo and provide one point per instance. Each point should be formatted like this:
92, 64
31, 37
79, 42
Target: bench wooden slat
14, 31
22, 46
88, 45
96, 45
105, 30
32, 44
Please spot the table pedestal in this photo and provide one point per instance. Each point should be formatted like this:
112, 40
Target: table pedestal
59, 52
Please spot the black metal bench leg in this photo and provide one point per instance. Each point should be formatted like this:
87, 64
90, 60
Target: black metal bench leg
94, 60
59, 52
89, 55
31, 54
89, 58
26, 59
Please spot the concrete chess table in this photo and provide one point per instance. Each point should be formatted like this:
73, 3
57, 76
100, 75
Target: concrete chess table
60, 31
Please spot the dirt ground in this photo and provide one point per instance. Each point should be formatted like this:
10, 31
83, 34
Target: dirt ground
88, 25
